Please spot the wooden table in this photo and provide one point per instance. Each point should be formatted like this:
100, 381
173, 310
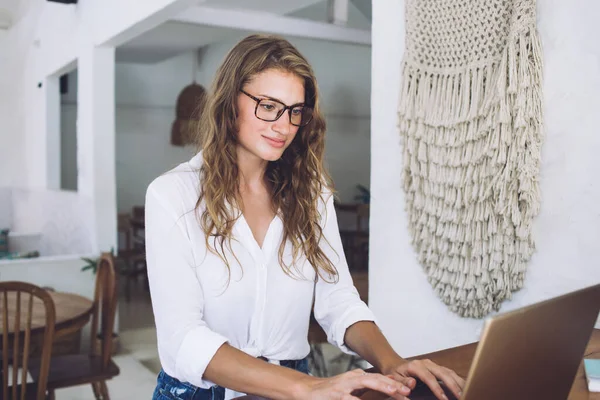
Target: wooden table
72, 313
460, 358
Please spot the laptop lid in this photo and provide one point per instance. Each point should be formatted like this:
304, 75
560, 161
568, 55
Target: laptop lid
533, 352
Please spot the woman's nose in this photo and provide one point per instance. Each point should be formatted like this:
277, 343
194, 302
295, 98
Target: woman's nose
282, 125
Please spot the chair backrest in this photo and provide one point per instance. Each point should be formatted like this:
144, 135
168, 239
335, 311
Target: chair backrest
105, 308
124, 227
138, 212
17, 317
361, 282
362, 217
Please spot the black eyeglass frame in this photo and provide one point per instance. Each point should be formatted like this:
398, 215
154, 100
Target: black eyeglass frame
289, 108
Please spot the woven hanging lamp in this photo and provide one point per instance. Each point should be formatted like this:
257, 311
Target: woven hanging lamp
189, 107
190, 104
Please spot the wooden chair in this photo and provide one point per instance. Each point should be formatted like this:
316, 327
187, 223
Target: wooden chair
15, 356
356, 241
133, 256
96, 367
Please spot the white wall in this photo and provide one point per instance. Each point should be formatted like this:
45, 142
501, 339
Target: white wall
567, 230
146, 96
61, 219
12, 140
62, 273
38, 45
48, 39
4, 128
5, 208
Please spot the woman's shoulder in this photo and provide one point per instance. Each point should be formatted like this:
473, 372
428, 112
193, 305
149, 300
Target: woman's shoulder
325, 201
181, 182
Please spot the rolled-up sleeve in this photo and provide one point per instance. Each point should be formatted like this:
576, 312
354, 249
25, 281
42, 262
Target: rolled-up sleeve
186, 344
337, 305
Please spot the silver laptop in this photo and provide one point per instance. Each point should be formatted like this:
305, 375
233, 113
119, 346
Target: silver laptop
531, 353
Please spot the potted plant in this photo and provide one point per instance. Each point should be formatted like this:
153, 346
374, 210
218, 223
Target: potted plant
364, 194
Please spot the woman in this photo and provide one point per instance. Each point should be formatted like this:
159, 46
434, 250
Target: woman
242, 236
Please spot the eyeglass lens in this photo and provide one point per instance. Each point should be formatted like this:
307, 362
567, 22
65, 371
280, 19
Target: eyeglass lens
269, 110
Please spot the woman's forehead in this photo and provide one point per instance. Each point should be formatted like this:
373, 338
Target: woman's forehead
282, 85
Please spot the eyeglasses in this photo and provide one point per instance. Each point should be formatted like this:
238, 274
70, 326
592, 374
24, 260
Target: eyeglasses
271, 110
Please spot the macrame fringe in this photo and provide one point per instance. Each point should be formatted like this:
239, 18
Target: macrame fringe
472, 142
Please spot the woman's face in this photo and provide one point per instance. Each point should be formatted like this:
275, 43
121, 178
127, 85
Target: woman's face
263, 139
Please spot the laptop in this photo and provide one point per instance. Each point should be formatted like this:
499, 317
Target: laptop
530, 353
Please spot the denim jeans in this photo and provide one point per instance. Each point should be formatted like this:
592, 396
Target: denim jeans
169, 388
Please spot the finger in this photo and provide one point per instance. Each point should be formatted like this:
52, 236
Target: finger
461, 382
454, 382
406, 380
448, 376
379, 383
421, 371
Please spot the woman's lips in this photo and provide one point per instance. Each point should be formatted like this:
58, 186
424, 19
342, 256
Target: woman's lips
277, 143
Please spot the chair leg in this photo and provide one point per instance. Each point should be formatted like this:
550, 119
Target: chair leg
127, 287
318, 360
96, 389
100, 390
104, 390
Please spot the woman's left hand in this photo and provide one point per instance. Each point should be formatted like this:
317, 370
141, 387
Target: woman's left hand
428, 372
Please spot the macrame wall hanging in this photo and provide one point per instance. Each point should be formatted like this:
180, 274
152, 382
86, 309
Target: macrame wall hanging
470, 118
190, 104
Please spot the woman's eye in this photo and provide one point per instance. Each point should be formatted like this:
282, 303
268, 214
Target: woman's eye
268, 106
297, 111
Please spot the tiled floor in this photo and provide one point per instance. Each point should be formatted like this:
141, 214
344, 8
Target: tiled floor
138, 355
134, 382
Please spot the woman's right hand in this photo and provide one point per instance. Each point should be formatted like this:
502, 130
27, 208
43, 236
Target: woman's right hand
348, 386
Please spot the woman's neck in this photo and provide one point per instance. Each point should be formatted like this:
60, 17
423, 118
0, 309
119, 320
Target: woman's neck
252, 171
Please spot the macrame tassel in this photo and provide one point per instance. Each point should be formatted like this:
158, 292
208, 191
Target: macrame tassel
471, 139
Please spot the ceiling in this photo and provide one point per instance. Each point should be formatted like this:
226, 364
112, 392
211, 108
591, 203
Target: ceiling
173, 38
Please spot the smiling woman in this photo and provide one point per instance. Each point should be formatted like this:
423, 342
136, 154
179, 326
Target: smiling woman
264, 120
243, 237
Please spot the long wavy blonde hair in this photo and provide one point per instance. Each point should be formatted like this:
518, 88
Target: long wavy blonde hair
297, 180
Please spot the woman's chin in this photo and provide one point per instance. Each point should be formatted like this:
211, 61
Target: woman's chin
272, 155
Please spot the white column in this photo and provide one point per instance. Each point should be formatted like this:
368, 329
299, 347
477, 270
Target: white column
96, 140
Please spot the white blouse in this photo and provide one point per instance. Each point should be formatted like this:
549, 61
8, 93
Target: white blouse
259, 309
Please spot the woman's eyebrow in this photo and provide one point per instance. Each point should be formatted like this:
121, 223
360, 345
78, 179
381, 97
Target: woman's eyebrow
281, 101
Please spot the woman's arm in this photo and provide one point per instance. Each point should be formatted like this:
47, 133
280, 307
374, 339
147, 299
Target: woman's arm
185, 342
366, 339
236, 370
350, 324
